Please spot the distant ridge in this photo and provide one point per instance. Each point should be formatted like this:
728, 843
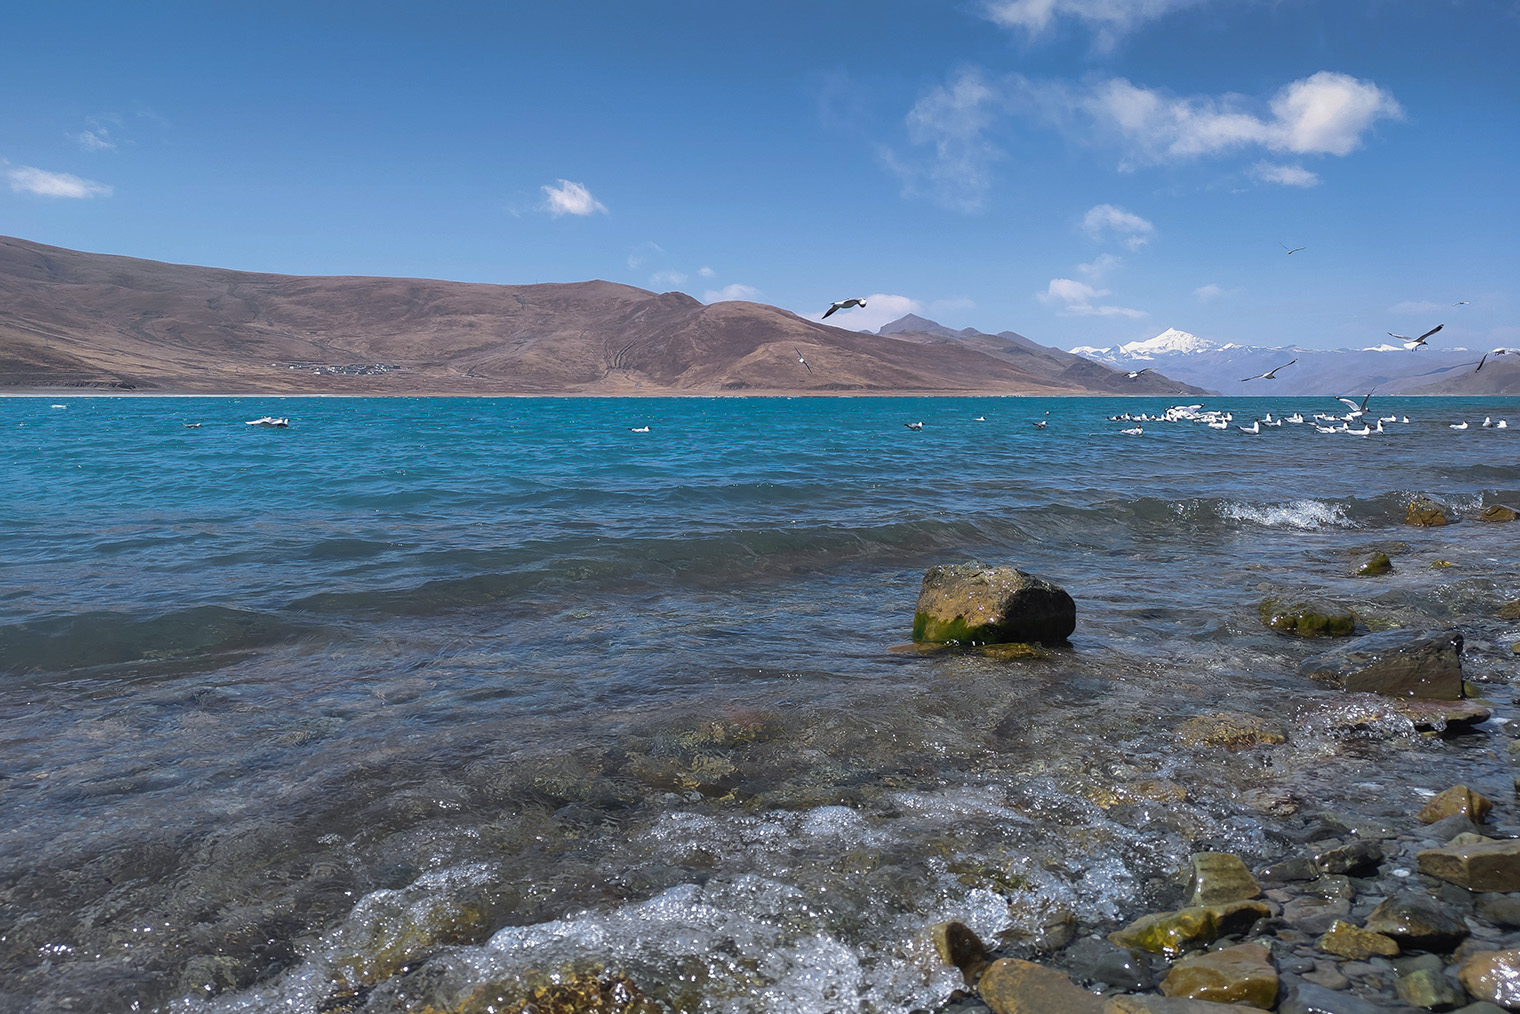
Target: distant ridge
1391, 369
69, 318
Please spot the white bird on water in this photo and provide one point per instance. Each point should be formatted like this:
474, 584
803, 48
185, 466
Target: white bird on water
269, 420
1134, 431
914, 425
1414, 343
843, 304
1458, 426
1255, 427
638, 429
1270, 374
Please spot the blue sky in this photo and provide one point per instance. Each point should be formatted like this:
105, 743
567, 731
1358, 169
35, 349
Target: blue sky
1084, 172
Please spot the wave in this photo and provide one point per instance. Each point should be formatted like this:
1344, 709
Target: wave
93, 640
1300, 514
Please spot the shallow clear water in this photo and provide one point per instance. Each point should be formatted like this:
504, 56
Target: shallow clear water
479, 689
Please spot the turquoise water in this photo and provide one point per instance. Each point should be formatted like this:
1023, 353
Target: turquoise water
262, 689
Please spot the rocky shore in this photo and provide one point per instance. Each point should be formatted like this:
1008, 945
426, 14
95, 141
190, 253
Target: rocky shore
1353, 917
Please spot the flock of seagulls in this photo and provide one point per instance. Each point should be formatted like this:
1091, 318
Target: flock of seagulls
1354, 421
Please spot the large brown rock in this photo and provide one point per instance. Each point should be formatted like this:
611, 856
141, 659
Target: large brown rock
1242, 974
1458, 799
1493, 976
1396, 663
1188, 929
1478, 866
1013, 986
972, 603
1418, 921
1425, 512
1219, 878
1498, 512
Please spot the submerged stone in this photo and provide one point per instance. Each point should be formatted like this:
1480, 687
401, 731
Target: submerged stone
1479, 866
1220, 877
958, 946
1232, 730
972, 603
1498, 512
1458, 799
1307, 617
1395, 663
1166, 1005
1428, 988
1241, 975
1189, 928
1493, 976
1013, 986
1345, 940
1418, 921
1375, 565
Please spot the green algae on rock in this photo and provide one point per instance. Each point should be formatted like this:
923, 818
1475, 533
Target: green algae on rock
1219, 878
1190, 928
1375, 565
973, 603
1346, 940
1307, 617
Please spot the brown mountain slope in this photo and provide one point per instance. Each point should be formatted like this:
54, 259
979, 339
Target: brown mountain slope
72, 318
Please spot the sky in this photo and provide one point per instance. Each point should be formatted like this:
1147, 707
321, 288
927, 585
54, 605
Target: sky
1082, 172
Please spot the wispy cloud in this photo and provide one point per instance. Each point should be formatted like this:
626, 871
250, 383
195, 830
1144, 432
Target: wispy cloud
27, 180
959, 131
670, 278
728, 292
1079, 299
1207, 293
1098, 267
952, 121
1106, 218
706, 272
571, 199
98, 139
1287, 175
1108, 18
1416, 306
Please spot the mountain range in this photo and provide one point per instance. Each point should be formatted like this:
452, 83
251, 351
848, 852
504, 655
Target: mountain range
69, 318
1390, 368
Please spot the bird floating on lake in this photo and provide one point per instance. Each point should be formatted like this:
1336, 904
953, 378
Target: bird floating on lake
192, 426
1414, 343
1039, 424
981, 418
844, 304
1270, 374
1255, 427
1134, 431
1458, 426
1294, 250
638, 429
804, 362
914, 425
269, 420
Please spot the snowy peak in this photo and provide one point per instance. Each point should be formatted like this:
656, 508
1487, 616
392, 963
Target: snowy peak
1168, 341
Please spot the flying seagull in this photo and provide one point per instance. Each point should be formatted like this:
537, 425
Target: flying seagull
1357, 411
1270, 374
1495, 352
804, 362
1462, 302
1414, 343
1135, 373
1294, 250
844, 304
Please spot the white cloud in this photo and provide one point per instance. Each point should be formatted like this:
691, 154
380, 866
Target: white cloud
1079, 299
706, 272
1108, 17
880, 308
953, 121
571, 199
1287, 175
95, 140
1323, 114
728, 292
1099, 266
670, 278
1108, 218
1208, 292
27, 180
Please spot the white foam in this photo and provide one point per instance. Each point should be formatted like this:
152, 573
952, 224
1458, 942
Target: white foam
1301, 514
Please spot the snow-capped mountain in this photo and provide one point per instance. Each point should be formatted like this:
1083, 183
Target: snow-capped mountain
1236, 369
